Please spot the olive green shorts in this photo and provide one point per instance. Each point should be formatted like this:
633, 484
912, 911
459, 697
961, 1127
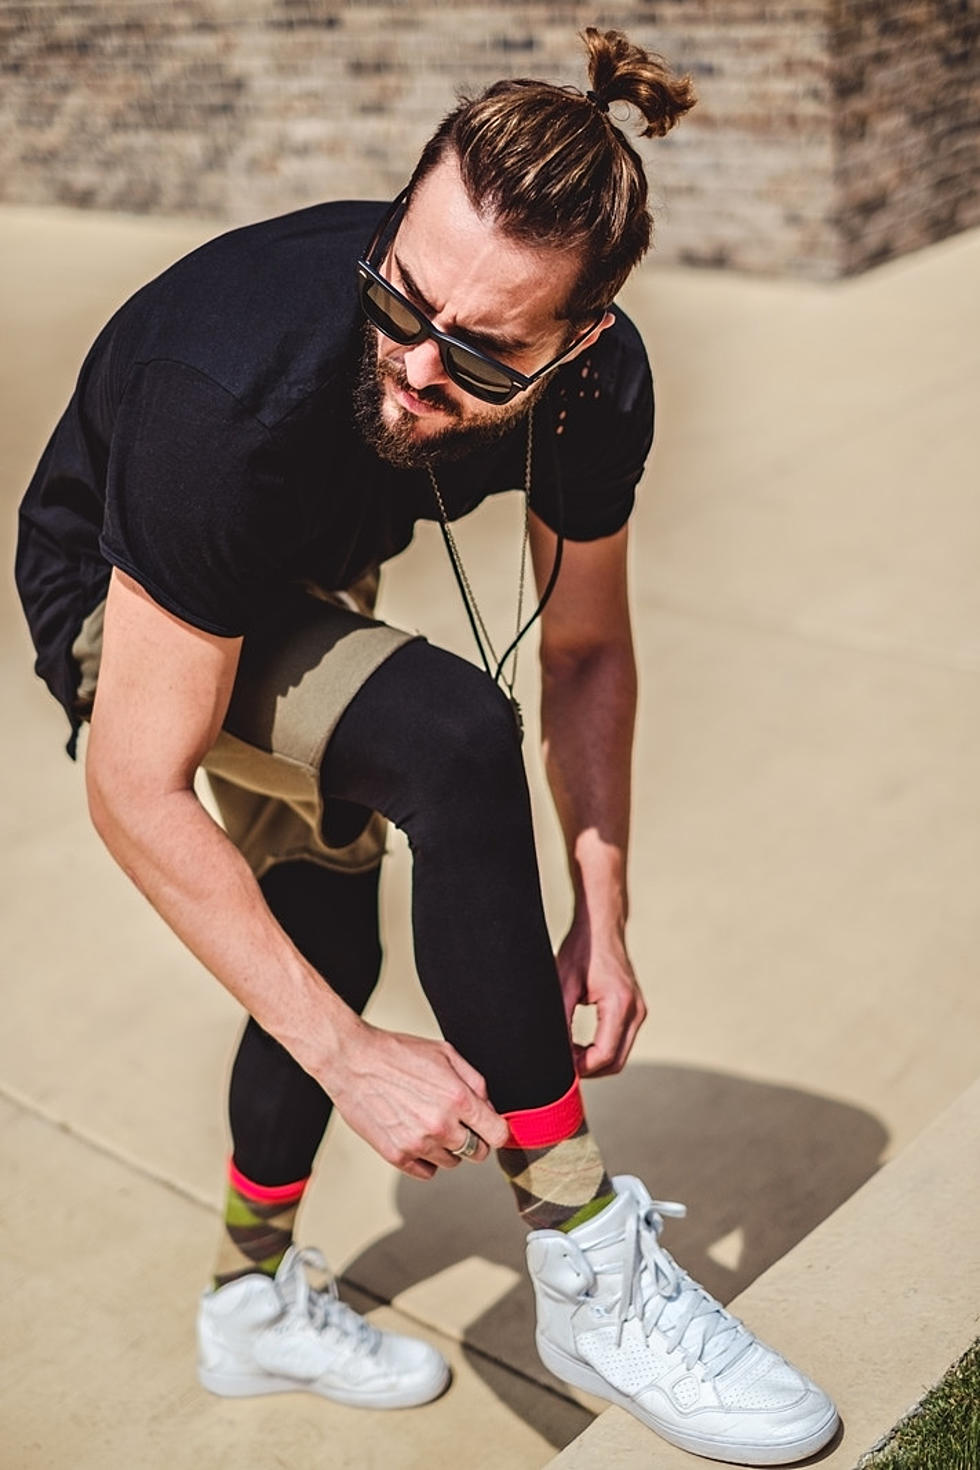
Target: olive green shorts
296, 676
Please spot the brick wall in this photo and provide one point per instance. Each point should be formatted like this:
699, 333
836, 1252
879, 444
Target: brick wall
830, 133
906, 84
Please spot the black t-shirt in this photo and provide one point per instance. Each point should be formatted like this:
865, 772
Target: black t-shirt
210, 448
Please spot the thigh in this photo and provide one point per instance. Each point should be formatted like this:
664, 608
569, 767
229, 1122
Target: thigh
296, 676
427, 733
299, 672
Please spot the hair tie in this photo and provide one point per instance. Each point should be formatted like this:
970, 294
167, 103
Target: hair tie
597, 102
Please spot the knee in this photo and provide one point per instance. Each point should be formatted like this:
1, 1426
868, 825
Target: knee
471, 732
428, 737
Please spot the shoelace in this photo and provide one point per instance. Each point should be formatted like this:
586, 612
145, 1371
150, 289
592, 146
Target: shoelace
322, 1305
689, 1318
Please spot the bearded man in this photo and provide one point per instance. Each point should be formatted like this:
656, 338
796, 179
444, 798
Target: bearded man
250, 438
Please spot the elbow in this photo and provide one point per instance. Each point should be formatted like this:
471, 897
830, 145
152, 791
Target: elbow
116, 787
608, 660
103, 792
128, 796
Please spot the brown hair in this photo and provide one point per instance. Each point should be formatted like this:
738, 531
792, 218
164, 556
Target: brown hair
549, 165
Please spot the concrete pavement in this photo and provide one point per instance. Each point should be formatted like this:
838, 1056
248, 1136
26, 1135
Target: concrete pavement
804, 879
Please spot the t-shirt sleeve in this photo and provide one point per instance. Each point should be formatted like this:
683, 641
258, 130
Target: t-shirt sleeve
602, 424
195, 501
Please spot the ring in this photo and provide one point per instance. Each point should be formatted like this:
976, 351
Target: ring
469, 1147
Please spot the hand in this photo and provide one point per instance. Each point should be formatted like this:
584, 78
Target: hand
412, 1100
602, 976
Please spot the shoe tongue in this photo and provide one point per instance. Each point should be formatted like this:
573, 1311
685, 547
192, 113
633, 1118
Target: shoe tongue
288, 1293
290, 1285
607, 1228
602, 1238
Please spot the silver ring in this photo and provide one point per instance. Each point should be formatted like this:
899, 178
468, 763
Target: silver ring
469, 1146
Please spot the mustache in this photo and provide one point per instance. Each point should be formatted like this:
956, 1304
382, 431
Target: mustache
434, 395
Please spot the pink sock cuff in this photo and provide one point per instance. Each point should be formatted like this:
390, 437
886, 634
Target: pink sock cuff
541, 1127
266, 1194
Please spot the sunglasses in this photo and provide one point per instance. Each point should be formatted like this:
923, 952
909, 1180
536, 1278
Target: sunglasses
395, 317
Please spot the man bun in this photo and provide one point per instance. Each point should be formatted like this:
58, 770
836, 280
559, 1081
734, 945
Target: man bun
550, 167
622, 72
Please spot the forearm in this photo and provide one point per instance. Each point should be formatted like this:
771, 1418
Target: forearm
588, 711
201, 886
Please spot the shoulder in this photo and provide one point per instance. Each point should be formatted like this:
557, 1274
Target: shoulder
621, 362
606, 392
267, 311
599, 415
319, 238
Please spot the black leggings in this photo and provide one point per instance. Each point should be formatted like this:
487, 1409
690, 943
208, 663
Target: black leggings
430, 742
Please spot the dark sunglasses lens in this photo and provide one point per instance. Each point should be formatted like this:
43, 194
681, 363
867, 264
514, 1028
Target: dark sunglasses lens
397, 319
389, 313
477, 376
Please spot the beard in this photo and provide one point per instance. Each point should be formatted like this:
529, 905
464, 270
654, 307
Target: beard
397, 443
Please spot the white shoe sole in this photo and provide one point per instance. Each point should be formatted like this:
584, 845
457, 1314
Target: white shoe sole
248, 1385
572, 1370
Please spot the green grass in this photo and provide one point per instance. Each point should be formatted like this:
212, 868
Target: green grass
943, 1433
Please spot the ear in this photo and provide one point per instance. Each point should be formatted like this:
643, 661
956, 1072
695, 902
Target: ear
592, 338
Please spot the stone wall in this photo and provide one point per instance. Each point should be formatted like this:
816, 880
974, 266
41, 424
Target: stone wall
830, 134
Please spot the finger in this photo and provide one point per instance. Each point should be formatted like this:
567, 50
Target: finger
479, 1153
493, 1130
418, 1168
479, 1115
625, 1046
570, 995
591, 1066
609, 1070
474, 1080
631, 1034
601, 1063
619, 1060
593, 1070
605, 1044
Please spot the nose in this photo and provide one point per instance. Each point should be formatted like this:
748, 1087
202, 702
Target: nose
423, 365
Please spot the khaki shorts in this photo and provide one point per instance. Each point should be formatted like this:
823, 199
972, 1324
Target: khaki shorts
295, 679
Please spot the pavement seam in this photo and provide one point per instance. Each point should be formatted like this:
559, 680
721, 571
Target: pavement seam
41, 1114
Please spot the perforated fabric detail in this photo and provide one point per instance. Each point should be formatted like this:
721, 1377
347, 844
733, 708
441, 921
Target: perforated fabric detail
586, 386
630, 1367
761, 1379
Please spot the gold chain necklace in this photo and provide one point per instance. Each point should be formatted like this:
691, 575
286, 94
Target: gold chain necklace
488, 654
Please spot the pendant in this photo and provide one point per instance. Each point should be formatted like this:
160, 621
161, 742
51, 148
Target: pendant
518, 718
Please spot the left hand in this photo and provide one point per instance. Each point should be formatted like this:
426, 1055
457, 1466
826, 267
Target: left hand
601, 975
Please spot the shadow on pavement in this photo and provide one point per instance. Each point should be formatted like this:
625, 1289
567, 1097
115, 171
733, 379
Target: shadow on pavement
759, 1166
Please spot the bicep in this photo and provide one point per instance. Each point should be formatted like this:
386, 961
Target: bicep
589, 605
163, 691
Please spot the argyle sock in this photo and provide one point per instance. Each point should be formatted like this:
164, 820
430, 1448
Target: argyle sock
554, 1165
258, 1226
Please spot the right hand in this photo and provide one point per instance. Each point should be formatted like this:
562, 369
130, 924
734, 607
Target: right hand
412, 1100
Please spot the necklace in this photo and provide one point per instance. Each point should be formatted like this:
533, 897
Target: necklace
488, 654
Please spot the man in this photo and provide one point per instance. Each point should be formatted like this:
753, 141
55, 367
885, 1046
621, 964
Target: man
250, 437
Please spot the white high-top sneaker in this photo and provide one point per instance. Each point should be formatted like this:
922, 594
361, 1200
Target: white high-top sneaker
259, 1335
617, 1316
